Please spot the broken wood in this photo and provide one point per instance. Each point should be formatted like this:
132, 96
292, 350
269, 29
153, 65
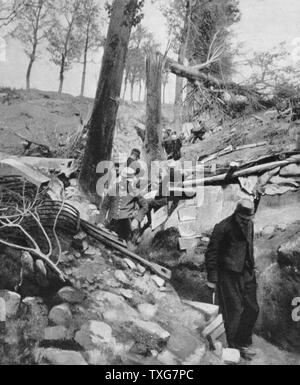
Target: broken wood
250, 171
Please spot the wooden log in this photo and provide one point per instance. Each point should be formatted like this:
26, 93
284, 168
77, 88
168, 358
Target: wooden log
250, 171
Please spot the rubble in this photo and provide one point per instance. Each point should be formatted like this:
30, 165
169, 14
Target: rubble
61, 315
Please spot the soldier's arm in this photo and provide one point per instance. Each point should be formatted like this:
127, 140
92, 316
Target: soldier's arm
211, 256
143, 205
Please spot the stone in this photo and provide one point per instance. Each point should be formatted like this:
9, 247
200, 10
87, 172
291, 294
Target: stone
61, 315
141, 269
269, 230
121, 276
210, 311
115, 306
96, 358
130, 264
128, 294
231, 356
152, 329
290, 170
167, 358
147, 311
94, 334
188, 243
289, 253
12, 302
60, 357
2, 310
57, 333
71, 295
159, 281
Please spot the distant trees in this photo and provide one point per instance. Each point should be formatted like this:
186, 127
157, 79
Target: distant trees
92, 33
32, 24
64, 37
141, 44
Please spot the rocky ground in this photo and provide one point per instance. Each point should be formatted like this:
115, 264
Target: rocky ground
114, 311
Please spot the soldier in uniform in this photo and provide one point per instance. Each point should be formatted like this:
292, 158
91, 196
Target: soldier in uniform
123, 208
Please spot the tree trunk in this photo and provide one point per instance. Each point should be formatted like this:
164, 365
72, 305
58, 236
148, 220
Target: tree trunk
131, 91
86, 48
103, 119
28, 74
153, 142
140, 91
125, 89
178, 107
61, 75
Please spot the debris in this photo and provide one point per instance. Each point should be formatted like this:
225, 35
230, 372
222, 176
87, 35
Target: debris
130, 264
121, 276
213, 326
152, 329
189, 243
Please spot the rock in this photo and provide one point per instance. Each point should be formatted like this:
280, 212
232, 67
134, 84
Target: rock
93, 335
130, 264
167, 358
182, 343
159, 281
71, 295
2, 310
141, 269
114, 307
210, 311
147, 311
61, 315
231, 356
128, 294
152, 329
60, 357
57, 333
96, 358
12, 302
269, 230
121, 276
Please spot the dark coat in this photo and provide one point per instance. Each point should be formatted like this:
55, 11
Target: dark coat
228, 249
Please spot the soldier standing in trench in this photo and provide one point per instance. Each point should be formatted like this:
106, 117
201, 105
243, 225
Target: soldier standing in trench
124, 209
231, 271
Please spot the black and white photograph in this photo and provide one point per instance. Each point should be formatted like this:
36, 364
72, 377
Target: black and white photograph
149, 185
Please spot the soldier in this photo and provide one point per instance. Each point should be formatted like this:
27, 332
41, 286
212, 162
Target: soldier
124, 209
231, 270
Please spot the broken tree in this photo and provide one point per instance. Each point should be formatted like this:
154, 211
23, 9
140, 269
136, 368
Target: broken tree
103, 119
153, 141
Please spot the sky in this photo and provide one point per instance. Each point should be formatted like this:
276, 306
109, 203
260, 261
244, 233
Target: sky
264, 24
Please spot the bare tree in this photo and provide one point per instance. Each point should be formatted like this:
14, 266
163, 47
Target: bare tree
9, 10
31, 29
124, 14
64, 38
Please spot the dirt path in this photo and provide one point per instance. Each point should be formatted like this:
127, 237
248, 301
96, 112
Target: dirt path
269, 354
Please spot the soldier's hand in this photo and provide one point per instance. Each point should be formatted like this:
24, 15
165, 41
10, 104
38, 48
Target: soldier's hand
211, 286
